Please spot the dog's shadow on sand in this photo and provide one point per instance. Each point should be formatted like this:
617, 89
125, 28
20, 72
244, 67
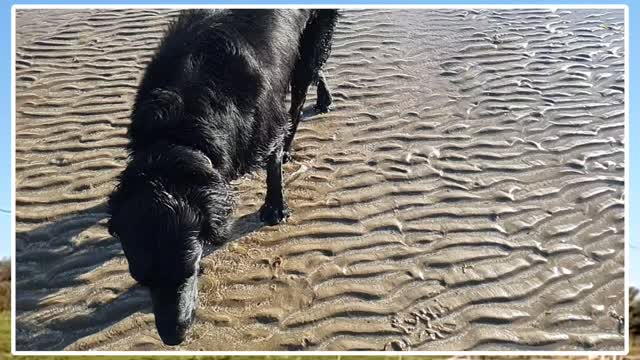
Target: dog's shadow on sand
52, 259
59, 256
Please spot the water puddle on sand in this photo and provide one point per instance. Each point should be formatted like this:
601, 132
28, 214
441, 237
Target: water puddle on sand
466, 191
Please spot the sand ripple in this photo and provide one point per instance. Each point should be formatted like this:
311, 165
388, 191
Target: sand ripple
466, 192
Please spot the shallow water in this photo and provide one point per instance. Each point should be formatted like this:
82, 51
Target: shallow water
465, 192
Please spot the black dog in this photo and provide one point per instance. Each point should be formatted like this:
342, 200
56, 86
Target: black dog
211, 107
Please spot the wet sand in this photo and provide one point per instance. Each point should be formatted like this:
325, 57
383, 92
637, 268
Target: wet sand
465, 192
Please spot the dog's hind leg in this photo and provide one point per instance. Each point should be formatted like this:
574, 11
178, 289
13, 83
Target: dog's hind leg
320, 49
324, 95
315, 47
274, 210
299, 88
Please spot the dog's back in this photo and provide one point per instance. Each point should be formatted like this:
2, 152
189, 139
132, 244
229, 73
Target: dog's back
215, 83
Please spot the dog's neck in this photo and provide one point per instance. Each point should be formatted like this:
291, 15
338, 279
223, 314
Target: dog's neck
175, 162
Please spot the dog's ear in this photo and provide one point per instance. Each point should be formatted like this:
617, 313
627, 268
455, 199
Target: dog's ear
217, 205
113, 212
114, 205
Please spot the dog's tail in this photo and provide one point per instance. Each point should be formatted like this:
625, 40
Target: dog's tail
324, 19
315, 43
331, 15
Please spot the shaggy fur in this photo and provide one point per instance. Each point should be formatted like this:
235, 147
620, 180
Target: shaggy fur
209, 109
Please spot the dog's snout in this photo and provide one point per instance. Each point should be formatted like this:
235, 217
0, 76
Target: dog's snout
174, 310
172, 323
172, 333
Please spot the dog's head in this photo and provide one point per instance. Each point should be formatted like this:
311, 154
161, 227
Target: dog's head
159, 234
162, 229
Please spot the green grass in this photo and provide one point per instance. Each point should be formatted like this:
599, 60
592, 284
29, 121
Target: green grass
5, 334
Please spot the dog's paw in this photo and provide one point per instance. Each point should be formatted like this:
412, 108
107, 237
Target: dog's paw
287, 156
274, 216
322, 108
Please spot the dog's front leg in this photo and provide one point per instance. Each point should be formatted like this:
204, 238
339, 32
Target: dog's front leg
274, 210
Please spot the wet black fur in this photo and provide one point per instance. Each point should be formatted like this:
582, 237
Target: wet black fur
209, 109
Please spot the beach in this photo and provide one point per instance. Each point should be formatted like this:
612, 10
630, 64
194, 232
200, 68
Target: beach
465, 192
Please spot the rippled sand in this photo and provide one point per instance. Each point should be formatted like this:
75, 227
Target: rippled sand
466, 191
